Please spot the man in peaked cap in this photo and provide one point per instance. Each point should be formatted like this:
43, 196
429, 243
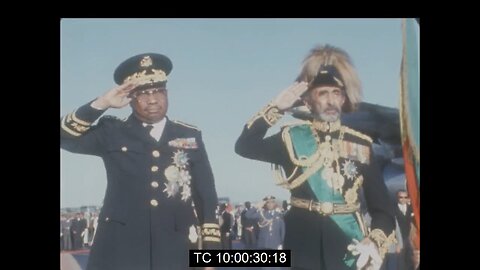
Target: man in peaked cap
270, 224
160, 185
324, 164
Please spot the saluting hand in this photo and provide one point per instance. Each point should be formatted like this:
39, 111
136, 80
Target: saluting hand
290, 95
116, 97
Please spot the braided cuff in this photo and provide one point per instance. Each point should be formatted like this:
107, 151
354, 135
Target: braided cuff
270, 113
210, 232
382, 241
74, 126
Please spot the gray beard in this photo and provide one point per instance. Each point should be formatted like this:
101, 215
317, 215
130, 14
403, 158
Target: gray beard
325, 117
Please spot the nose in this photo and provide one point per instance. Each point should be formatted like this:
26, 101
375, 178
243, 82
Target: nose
151, 99
330, 98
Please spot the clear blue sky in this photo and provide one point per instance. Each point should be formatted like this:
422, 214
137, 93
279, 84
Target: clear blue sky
224, 71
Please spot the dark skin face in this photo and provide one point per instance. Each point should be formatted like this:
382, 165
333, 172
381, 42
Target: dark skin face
150, 105
270, 205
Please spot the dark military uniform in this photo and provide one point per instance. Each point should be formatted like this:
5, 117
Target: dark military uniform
157, 191
323, 219
140, 226
271, 227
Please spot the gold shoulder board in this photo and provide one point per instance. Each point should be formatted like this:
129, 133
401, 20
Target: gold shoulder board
357, 134
186, 125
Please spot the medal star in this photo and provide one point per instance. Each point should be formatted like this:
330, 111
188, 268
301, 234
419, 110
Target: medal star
180, 159
349, 169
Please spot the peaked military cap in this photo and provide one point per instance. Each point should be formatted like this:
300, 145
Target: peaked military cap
147, 70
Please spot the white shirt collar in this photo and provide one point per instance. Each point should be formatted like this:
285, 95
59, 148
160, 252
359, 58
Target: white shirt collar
157, 129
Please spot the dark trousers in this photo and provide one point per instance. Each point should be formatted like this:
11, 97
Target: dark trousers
77, 241
390, 262
249, 239
405, 257
226, 241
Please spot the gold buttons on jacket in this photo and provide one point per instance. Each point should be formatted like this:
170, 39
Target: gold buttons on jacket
124, 149
154, 184
155, 153
154, 168
154, 202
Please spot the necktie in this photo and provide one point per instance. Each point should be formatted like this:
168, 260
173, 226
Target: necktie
149, 129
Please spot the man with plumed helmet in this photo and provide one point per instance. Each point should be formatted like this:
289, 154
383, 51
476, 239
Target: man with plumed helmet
324, 165
160, 186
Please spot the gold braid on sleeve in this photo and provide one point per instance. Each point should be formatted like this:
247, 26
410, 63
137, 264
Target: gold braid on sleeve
210, 232
73, 125
270, 113
382, 241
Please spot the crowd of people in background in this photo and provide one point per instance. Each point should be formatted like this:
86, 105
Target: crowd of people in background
77, 230
257, 226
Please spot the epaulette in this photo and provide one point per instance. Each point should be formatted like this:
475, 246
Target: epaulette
357, 134
186, 125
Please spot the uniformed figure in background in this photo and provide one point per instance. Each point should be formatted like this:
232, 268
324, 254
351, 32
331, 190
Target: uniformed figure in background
324, 164
226, 224
159, 181
249, 237
79, 223
270, 223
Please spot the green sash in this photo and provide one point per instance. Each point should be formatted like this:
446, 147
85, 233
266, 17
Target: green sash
304, 144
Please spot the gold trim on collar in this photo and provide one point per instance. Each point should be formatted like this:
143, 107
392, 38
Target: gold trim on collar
326, 126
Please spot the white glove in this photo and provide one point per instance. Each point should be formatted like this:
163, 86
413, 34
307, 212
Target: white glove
192, 234
280, 247
369, 258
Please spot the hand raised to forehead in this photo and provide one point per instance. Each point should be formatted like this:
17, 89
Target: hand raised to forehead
117, 97
290, 95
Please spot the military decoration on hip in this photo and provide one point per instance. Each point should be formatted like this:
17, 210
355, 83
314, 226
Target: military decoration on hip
178, 176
